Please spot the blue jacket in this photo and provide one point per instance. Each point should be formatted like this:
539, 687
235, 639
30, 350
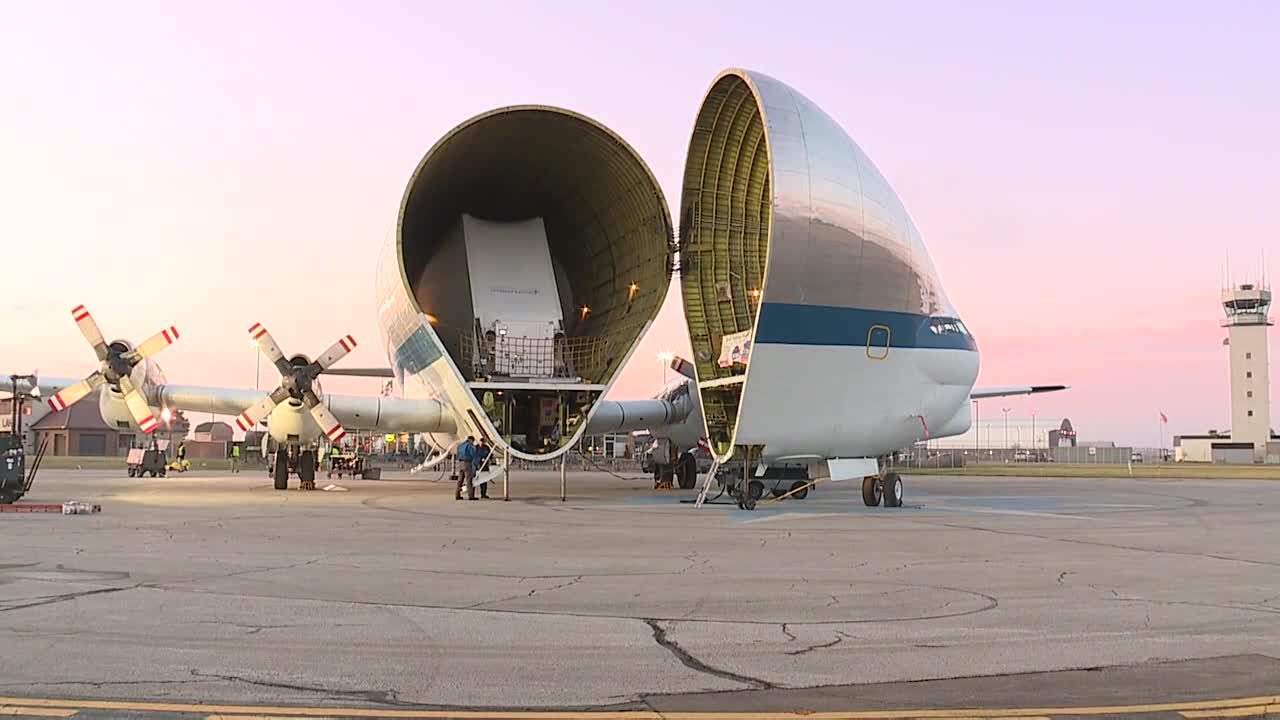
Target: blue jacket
467, 452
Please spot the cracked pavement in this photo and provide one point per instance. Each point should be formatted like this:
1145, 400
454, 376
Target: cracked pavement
219, 589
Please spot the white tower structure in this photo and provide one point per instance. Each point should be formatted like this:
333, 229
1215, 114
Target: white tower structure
1247, 306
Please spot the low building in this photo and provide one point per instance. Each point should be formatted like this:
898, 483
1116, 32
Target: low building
33, 409
218, 432
1219, 448
80, 430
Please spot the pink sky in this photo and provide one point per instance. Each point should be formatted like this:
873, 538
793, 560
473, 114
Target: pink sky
1079, 172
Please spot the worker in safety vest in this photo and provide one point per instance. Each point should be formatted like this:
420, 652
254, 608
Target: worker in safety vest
235, 458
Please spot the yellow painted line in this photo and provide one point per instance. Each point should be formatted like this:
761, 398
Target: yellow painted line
1217, 707
256, 717
1250, 711
35, 711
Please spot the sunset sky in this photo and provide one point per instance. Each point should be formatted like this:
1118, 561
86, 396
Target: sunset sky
1079, 171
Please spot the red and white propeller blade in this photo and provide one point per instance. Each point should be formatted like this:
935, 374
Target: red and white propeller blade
138, 407
268, 346
68, 396
155, 343
329, 424
89, 328
261, 409
336, 352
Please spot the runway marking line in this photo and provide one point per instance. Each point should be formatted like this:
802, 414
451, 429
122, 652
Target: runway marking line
1232, 707
35, 711
1250, 711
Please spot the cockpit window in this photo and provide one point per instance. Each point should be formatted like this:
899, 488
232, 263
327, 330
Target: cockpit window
948, 326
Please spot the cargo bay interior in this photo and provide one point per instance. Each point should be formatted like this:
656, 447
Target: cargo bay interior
726, 210
539, 246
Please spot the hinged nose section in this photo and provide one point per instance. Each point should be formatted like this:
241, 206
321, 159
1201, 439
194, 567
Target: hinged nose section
538, 246
789, 237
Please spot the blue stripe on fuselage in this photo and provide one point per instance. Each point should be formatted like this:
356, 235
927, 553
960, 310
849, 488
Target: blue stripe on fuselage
794, 324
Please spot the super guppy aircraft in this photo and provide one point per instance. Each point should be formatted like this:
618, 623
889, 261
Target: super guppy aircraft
534, 248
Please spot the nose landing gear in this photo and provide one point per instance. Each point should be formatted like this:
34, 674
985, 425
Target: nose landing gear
294, 458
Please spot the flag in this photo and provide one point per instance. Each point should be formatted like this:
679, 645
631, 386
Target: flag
1164, 419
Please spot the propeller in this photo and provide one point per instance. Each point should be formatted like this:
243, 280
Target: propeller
117, 362
297, 382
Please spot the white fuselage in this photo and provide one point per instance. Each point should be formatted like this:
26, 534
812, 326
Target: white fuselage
822, 401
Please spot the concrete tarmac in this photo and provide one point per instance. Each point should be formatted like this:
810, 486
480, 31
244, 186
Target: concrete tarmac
219, 589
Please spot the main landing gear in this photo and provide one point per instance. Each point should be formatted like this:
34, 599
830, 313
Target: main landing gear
886, 487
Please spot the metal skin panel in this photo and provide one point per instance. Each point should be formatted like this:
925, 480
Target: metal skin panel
850, 354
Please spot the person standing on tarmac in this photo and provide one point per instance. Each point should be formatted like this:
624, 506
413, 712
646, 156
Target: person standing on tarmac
482, 455
235, 458
466, 457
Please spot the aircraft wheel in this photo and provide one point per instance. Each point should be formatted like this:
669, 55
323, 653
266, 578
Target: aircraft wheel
687, 471
280, 472
892, 484
307, 469
799, 490
871, 491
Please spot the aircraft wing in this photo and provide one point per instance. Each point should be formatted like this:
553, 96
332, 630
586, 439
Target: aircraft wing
1007, 390
391, 414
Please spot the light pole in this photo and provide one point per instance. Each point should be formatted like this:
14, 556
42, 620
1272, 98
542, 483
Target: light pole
665, 357
1006, 432
257, 369
1033, 430
977, 431
167, 416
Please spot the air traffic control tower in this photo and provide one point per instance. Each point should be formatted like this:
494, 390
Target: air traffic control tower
1247, 306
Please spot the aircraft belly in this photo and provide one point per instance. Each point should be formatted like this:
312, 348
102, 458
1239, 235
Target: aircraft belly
835, 401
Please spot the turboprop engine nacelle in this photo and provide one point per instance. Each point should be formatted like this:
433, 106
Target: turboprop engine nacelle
146, 376
533, 251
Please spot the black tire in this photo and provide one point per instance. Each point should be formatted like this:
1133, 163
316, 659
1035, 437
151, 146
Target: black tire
687, 471
871, 491
777, 492
799, 490
755, 491
307, 467
892, 484
280, 472
132, 472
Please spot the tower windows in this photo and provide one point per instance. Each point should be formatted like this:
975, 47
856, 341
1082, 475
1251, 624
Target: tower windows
1250, 413
1248, 356
1248, 373
1248, 393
